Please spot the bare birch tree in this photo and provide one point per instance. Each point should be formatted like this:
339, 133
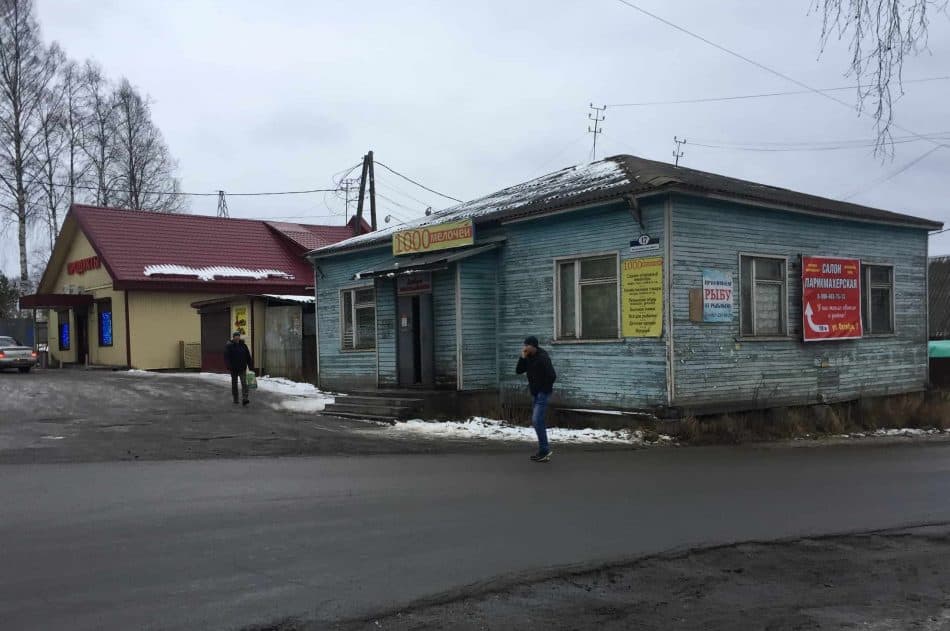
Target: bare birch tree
74, 126
145, 175
51, 148
100, 125
25, 74
881, 34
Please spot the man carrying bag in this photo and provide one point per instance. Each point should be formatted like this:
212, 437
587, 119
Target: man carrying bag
237, 357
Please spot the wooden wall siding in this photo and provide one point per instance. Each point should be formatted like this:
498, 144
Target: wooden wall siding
443, 318
386, 332
625, 374
478, 277
343, 370
711, 368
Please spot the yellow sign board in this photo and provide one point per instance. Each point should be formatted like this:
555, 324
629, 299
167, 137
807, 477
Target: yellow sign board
642, 290
454, 234
239, 315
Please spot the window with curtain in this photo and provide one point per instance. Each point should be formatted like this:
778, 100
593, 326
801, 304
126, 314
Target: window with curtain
763, 296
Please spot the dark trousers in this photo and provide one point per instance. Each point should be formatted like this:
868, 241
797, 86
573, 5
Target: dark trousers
242, 375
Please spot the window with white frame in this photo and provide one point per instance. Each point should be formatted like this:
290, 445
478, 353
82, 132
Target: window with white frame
763, 296
877, 299
587, 292
358, 319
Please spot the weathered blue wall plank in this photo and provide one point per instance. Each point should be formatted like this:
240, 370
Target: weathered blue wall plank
712, 367
479, 310
629, 373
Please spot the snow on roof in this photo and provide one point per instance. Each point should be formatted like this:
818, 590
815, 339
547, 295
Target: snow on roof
565, 184
303, 299
213, 273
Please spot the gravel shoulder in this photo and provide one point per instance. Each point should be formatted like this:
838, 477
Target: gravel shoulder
886, 580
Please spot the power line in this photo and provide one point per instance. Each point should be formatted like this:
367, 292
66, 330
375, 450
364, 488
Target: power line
765, 149
809, 144
409, 179
895, 173
762, 95
86, 187
757, 64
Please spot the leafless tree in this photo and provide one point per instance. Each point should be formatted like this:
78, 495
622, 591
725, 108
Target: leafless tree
145, 174
99, 123
881, 34
51, 147
74, 126
25, 74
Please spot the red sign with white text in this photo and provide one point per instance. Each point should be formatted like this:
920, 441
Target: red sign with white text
831, 298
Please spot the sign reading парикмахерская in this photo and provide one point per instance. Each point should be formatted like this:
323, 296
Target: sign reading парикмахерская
831, 298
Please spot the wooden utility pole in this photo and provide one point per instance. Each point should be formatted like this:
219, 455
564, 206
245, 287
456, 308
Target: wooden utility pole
358, 224
372, 192
367, 174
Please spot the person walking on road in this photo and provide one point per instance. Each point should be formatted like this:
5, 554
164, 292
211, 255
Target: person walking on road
541, 377
237, 357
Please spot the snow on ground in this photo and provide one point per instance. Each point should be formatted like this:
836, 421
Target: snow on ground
304, 398
491, 429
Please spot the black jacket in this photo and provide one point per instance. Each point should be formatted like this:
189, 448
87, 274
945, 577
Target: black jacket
541, 375
237, 357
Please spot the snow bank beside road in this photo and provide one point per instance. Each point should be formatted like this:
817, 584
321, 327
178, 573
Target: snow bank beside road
303, 398
490, 429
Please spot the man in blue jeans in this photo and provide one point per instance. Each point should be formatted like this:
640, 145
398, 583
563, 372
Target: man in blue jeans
541, 377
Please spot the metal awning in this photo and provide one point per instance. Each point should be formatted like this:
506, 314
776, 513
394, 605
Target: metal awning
426, 262
55, 301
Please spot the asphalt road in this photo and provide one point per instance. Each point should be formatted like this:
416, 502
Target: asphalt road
220, 544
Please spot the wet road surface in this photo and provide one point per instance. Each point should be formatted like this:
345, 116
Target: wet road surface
220, 544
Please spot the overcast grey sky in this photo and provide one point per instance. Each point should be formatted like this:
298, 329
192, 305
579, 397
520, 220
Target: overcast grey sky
469, 97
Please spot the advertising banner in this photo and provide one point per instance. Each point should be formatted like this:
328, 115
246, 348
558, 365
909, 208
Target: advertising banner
717, 296
414, 284
454, 234
239, 315
831, 298
642, 291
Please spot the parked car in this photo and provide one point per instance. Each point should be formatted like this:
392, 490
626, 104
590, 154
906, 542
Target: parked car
15, 355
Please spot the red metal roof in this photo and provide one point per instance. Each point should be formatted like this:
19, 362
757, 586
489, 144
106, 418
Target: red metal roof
128, 241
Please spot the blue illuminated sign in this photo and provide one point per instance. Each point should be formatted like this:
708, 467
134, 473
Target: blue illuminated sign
105, 328
64, 335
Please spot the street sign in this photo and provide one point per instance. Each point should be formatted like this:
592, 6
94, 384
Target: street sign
831, 298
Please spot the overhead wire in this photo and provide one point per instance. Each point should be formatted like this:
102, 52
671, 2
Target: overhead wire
757, 64
762, 95
409, 179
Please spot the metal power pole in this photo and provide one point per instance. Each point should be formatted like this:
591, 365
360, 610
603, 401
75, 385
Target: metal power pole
222, 205
597, 116
677, 153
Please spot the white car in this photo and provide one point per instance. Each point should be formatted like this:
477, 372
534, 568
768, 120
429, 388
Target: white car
15, 355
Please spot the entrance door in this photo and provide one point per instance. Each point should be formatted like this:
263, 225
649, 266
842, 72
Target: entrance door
82, 335
215, 333
416, 341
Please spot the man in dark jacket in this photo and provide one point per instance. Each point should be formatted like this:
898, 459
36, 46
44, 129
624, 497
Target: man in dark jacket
541, 377
237, 357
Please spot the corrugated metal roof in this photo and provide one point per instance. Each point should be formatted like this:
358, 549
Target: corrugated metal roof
616, 176
144, 249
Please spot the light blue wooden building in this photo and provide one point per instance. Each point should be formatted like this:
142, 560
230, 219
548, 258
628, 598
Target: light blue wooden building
653, 287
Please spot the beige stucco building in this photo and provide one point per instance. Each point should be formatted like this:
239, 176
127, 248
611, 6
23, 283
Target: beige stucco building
121, 286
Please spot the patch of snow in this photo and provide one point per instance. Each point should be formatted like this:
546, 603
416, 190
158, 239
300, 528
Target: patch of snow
304, 398
212, 273
490, 429
564, 184
907, 432
301, 299
304, 405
